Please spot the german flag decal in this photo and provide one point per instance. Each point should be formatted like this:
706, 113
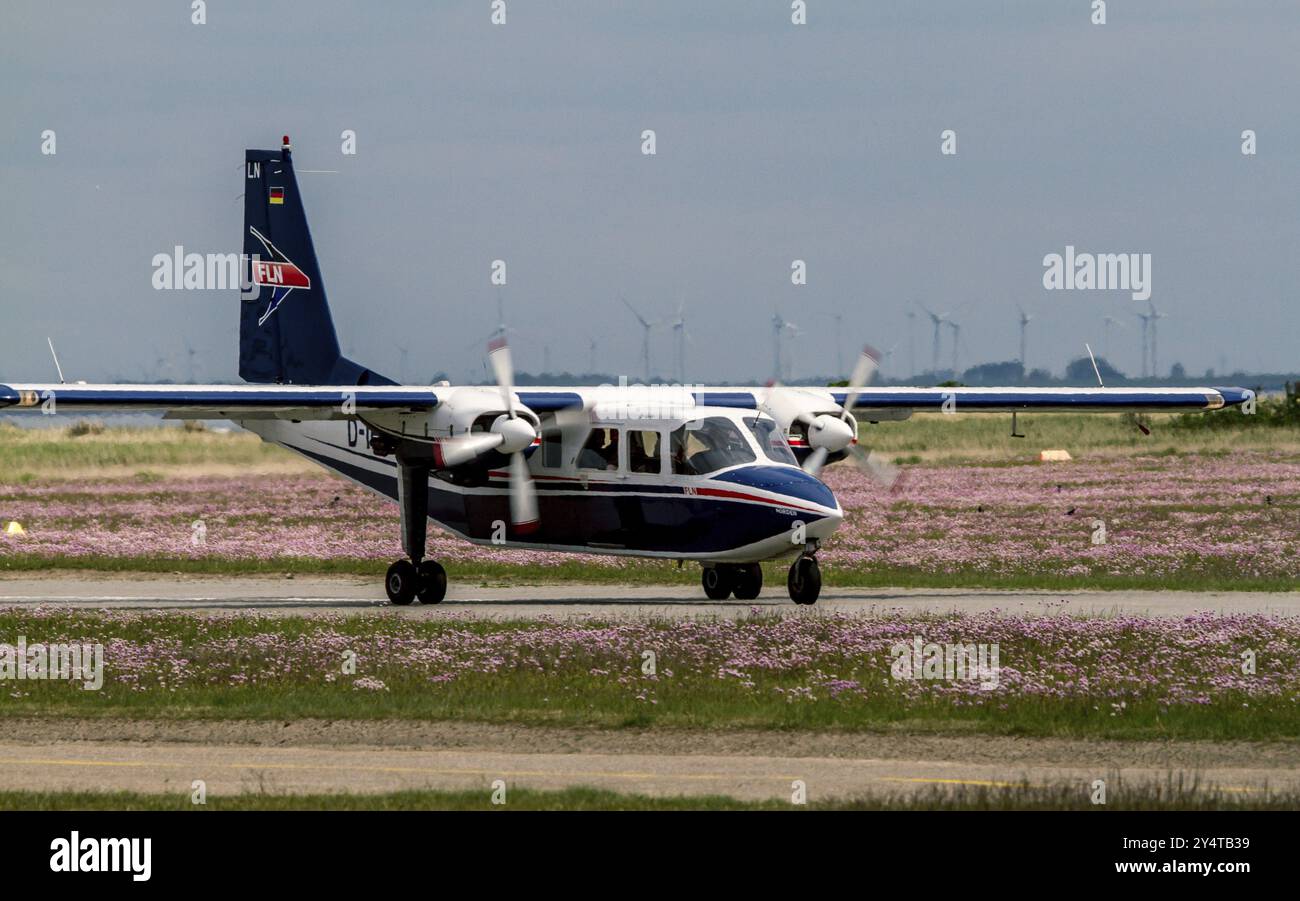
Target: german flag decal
277, 196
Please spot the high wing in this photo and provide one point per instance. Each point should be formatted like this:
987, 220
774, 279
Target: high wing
342, 402
220, 401
993, 400
969, 400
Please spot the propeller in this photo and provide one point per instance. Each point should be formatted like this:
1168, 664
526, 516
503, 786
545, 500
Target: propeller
881, 471
517, 435
509, 434
830, 433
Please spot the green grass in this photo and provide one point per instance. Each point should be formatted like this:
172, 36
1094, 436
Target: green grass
960, 437
576, 702
288, 668
927, 437
1170, 795
42, 453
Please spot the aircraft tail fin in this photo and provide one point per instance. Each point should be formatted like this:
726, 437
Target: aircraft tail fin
286, 334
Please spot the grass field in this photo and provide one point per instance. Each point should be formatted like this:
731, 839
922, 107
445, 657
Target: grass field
1188, 507
1204, 520
1172, 795
1110, 677
81, 447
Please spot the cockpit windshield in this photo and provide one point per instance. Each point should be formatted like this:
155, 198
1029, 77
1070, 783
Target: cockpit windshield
707, 445
771, 440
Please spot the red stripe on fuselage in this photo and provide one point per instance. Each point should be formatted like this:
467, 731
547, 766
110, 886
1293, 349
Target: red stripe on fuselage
698, 492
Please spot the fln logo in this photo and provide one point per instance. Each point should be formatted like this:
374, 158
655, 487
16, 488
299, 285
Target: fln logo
277, 273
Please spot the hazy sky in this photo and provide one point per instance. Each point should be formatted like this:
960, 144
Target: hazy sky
775, 142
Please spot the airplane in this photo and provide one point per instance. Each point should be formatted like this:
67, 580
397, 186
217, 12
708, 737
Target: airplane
723, 476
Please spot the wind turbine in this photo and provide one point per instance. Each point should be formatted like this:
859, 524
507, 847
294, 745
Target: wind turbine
402, 351
1106, 324
680, 337
838, 319
780, 365
1025, 319
885, 357
1146, 324
646, 327
1156, 316
911, 341
938, 319
956, 340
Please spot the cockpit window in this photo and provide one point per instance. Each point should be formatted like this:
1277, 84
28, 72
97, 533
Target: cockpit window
771, 440
707, 446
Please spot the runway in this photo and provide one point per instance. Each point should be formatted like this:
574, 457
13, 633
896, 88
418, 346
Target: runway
349, 595
236, 759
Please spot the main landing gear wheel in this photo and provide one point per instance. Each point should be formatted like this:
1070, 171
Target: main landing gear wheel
804, 581
402, 582
432, 582
718, 581
749, 581
414, 577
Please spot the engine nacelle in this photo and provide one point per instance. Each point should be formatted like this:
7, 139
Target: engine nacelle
811, 420
463, 426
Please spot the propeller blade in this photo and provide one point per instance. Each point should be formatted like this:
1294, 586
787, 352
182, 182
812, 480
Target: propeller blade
815, 461
451, 452
523, 495
866, 367
504, 371
881, 471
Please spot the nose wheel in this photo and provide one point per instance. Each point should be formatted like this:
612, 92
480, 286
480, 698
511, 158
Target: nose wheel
805, 580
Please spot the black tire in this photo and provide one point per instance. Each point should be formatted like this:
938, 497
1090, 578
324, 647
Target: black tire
717, 582
401, 582
805, 581
749, 582
432, 582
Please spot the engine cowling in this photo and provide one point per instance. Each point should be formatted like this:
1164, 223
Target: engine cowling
815, 424
467, 425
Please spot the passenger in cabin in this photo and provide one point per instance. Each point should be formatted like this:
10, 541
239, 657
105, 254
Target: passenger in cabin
600, 451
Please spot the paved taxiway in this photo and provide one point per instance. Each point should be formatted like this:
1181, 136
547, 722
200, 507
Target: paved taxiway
303, 595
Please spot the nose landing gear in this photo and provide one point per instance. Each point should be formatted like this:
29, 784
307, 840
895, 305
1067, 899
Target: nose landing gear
416, 577
805, 580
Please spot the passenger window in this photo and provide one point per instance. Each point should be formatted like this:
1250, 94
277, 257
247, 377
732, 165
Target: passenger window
643, 452
600, 450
